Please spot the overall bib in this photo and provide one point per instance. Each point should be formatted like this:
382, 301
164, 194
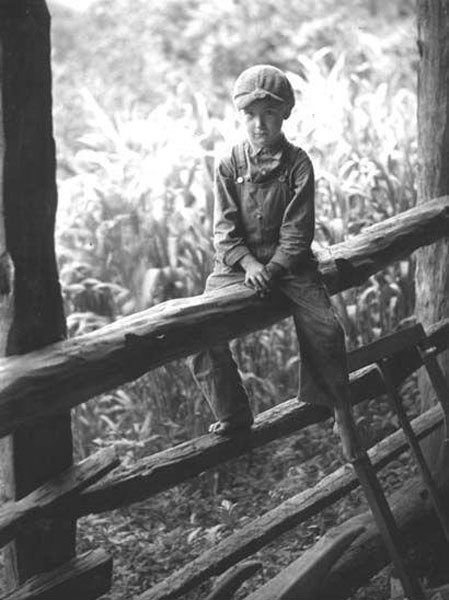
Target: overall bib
323, 368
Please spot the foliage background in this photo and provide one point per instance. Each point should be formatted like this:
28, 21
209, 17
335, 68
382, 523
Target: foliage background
141, 111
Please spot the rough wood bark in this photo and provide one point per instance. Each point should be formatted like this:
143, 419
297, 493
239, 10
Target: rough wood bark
34, 454
255, 535
85, 577
433, 135
163, 470
44, 502
432, 271
226, 587
303, 578
367, 555
68, 373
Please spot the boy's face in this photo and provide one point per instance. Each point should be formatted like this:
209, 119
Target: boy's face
263, 121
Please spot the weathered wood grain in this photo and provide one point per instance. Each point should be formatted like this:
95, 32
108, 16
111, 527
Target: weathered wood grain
303, 578
432, 272
85, 577
32, 307
352, 262
256, 534
233, 579
70, 372
150, 475
43, 502
420, 531
385, 347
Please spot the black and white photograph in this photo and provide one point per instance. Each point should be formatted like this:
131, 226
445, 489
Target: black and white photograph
224, 300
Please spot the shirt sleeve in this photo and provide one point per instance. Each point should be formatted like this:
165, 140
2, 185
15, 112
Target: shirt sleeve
298, 224
228, 235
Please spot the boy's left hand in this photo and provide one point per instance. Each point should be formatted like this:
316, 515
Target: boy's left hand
266, 278
257, 277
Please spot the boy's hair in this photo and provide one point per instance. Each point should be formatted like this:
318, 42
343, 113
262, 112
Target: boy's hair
262, 81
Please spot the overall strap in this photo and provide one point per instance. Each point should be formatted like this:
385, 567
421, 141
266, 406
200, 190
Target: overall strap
291, 153
289, 157
238, 158
240, 161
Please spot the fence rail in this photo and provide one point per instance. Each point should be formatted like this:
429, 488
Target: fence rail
155, 473
45, 382
38, 389
289, 514
64, 374
75, 492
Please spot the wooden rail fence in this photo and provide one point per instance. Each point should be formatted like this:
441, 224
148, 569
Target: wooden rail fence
64, 374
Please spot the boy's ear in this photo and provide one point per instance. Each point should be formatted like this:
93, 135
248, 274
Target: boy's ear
287, 112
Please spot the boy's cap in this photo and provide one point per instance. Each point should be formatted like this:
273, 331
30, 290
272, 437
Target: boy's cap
262, 81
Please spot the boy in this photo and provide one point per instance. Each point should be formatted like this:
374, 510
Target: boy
263, 230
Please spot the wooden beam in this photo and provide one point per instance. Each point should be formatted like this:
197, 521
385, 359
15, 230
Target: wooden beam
385, 347
259, 532
34, 317
230, 582
43, 503
414, 515
85, 577
304, 576
350, 263
150, 475
367, 555
68, 373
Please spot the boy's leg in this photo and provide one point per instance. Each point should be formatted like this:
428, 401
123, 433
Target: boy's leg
324, 375
217, 375
323, 372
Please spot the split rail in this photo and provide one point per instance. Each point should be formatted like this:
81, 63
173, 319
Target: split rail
38, 385
100, 483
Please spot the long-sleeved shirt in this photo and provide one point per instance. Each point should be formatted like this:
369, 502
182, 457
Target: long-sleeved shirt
265, 207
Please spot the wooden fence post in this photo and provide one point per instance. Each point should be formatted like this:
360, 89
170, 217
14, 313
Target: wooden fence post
30, 298
432, 279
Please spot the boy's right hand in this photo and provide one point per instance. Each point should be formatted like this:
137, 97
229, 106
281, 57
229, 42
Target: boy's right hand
256, 275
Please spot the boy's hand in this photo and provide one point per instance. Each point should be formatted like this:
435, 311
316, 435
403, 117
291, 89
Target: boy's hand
274, 270
256, 275
260, 277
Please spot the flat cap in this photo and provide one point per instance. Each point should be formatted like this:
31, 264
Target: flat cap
262, 81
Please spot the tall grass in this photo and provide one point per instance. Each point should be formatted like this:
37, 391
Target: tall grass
135, 221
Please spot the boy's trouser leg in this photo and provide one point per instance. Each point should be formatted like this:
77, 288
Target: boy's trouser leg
323, 372
217, 375
324, 375
216, 372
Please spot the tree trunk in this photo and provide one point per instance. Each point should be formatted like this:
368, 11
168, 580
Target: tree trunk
432, 275
32, 312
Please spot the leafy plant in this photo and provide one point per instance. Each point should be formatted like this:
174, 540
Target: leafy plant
138, 133
135, 220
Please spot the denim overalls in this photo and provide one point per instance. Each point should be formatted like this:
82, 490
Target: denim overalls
323, 368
